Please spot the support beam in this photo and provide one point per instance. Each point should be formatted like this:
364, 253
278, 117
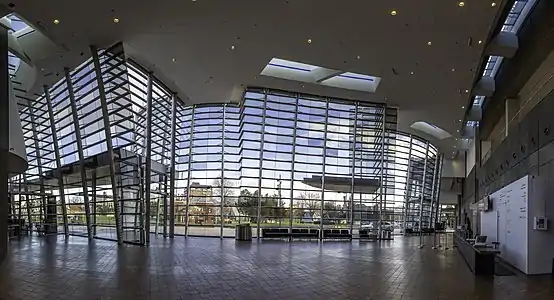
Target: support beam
407, 187
58, 159
148, 167
504, 44
259, 211
4, 141
109, 145
80, 152
187, 204
172, 171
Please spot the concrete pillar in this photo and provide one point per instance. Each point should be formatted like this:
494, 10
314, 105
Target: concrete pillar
4, 142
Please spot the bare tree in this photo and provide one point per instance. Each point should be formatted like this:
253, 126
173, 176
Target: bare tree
224, 187
309, 201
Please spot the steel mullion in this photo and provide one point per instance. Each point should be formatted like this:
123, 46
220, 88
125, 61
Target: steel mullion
108, 136
79, 142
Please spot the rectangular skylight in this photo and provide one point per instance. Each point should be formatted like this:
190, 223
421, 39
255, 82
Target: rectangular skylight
292, 65
517, 15
298, 71
478, 100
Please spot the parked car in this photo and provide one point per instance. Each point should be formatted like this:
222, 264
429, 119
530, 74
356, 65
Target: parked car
385, 225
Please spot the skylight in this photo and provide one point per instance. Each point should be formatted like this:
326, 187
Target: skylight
492, 66
297, 71
291, 65
478, 100
472, 123
431, 129
517, 15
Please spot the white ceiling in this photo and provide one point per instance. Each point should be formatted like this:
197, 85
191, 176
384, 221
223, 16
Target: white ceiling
199, 35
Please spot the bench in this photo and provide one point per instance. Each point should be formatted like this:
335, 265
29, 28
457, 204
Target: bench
298, 233
337, 234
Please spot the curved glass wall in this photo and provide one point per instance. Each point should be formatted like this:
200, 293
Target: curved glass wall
276, 159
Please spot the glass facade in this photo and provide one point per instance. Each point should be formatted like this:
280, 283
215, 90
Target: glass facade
115, 154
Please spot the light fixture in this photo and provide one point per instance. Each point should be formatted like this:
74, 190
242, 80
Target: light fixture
429, 43
463, 106
453, 70
116, 20
233, 47
480, 42
56, 21
412, 73
309, 41
461, 4
393, 13
467, 91
358, 57
493, 4
174, 59
458, 130
460, 120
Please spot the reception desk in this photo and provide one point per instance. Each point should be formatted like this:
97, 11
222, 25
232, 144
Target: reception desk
480, 260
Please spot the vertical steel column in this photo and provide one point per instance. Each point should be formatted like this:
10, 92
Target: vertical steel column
259, 217
437, 194
222, 187
165, 203
407, 187
422, 193
27, 208
323, 170
382, 166
187, 201
39, 161
4, 140
172, 170
79, 149
354, 141
58, 158
94, 200
148, 168
109, 145
291, 204
435, 172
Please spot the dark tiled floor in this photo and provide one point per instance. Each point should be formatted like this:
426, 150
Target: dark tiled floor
205, 268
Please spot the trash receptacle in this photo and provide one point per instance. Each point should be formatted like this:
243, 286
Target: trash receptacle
243, 232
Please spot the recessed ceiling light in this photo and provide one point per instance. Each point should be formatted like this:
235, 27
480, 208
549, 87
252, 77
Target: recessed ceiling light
467, 91
429, 43
174, 59
56, 21
493, 4
309, 41
412, 73
458, 130
393, 13
463, 106
453, 70
480, 42
116, 20
233, 47
460, 120
358, 57
461, 4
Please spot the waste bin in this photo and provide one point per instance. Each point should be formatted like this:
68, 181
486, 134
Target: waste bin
243, 232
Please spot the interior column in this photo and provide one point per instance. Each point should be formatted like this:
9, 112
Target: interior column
4, 142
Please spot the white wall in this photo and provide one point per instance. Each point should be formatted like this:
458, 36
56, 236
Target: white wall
507, 223
541, 243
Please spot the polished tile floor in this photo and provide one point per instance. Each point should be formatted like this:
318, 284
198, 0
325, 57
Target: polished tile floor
207, 268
